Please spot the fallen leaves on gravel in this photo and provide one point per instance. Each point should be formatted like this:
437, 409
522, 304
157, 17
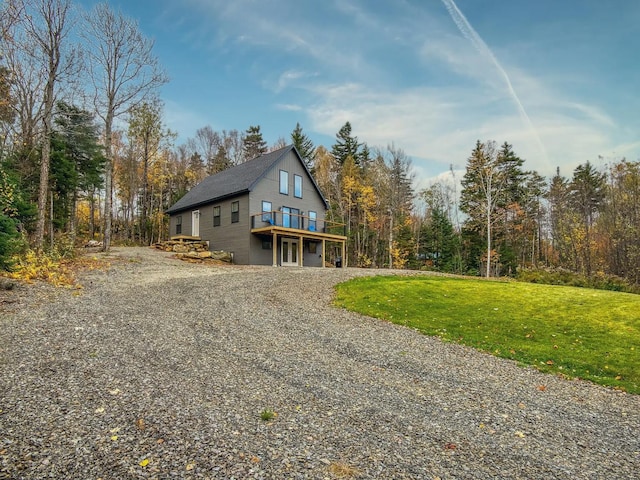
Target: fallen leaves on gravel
343, 470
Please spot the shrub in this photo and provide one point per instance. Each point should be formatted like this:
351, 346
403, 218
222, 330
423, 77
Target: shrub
561, 276
63, 248
33, 266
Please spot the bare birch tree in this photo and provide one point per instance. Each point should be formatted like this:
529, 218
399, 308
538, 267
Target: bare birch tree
123, 70
43, 29
482, 185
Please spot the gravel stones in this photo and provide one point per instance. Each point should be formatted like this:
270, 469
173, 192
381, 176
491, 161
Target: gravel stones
161, 369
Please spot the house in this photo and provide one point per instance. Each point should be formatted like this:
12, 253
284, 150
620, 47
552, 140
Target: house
267, 211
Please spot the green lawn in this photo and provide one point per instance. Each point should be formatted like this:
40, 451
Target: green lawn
577, 332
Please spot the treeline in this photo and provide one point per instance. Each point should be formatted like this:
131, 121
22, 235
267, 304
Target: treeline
515, 219
85, 154
498, 219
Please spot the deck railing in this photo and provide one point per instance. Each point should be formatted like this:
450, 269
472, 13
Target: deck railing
297, 221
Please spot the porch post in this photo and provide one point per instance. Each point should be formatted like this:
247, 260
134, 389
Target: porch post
344, 257
274, 248
301, 251
322, 252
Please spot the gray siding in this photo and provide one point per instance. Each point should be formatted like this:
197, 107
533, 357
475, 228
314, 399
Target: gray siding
260, 256
312, 259
269, 187
230, 237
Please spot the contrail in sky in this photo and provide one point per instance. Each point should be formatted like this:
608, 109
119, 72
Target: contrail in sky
470, 34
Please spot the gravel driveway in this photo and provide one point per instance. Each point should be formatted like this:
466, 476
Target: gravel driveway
162, 369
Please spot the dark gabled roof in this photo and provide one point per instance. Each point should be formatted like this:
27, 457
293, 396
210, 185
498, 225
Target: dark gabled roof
234, 181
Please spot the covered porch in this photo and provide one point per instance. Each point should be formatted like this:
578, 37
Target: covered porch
288, 242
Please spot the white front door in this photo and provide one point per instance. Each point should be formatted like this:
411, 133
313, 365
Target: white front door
195, 223
289, 253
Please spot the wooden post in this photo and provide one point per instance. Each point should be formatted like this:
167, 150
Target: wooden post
301, 251
322, 253
344, 257
274, 248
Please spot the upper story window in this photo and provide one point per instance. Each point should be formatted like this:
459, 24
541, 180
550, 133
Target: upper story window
313, 221
284, 182
216, 216
235, 212
297, 186
266, 211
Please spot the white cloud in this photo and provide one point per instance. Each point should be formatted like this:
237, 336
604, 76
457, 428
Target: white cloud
288, 107
439, 127
288, 79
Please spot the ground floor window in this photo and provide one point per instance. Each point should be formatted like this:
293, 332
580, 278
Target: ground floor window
179, 225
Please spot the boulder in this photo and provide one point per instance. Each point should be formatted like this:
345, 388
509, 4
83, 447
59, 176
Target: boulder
221, 255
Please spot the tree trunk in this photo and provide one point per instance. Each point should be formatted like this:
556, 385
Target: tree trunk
43, 190
391, 240
45, 159
92, 213
73, 219
145, 194
51, 221
108, 184
488, 273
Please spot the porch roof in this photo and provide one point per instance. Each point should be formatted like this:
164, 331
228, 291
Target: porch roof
298, 233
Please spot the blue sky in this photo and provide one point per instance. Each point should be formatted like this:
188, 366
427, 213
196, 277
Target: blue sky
556, 79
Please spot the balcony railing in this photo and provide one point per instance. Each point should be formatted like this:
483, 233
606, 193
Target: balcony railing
297, 221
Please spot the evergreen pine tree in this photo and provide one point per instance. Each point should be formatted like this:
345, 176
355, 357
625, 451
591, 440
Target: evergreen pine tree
253, 144
77, 159
586, 196
304, 145
9, 241
346, 146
